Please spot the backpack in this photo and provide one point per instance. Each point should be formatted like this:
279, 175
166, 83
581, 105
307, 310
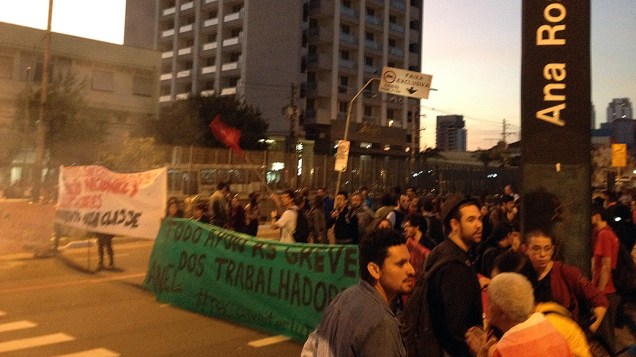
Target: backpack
301, 235
417, 328
625, 273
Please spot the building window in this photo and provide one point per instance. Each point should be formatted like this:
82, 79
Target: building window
392, 42
342, 107
142, 86
344, 55
390, 113
344, 84
6, 67
368, 60
346, 3
370, 11
369, 36
345, 29
103, 81
368, 110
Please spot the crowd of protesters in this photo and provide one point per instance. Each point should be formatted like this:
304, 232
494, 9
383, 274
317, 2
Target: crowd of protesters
537, 300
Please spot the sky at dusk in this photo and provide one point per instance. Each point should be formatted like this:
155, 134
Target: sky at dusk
471, 47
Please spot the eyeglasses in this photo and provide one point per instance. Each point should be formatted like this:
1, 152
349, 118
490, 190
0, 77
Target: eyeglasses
537, 249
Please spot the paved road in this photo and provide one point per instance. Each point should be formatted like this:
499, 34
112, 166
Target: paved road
58, 307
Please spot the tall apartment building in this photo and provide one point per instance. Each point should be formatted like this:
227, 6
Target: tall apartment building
619, 108
450, 133
121, 83
311, 55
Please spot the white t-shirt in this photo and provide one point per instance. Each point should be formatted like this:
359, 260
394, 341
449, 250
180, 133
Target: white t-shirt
287, 224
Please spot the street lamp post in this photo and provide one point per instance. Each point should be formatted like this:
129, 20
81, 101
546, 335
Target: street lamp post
40, 140
348, 120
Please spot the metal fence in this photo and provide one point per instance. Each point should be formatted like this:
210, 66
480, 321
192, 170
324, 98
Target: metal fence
196, 171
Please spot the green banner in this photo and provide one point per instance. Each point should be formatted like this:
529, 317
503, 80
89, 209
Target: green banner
275, 287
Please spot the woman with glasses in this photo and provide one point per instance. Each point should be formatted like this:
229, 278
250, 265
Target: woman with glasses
561, 283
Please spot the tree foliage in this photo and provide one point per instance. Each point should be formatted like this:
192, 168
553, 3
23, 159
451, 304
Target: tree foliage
185, 122
136, 154
72, 129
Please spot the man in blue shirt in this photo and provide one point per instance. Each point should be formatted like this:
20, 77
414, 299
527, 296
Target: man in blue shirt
359, 321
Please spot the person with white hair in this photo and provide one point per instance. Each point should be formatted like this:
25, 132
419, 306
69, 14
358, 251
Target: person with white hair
525, 332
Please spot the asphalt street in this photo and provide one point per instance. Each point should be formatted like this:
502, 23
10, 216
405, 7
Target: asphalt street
61, 306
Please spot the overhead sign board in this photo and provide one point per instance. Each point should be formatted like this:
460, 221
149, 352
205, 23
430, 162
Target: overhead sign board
405, 83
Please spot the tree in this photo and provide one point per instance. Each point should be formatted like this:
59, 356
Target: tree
185, 122
72, 128
484, 156
136, 154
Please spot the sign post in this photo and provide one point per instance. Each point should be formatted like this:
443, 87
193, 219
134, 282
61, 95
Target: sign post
555, 122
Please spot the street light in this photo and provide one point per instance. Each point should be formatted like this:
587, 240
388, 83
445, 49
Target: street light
348, 119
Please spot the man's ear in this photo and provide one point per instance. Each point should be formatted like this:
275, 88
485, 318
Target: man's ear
454, 224
374, 270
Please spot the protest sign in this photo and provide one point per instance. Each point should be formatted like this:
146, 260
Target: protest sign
99, 200
275, 287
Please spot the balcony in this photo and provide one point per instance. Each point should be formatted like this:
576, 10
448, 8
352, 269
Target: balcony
182, 96
183, 74
166, 55
348, 12
211, 1
236, 16
169, 11
320, 34
396, 51
348, 39
372, 45
345, 63
208, 70
210, 22
166, 76
186, 28
167, 33
187, 6
229, 66
209, 46
228, 91
373, 20
207, 93
231, 41
396, 27
398, 4
185, 51
164, 99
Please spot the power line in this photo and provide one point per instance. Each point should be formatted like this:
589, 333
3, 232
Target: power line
469, 117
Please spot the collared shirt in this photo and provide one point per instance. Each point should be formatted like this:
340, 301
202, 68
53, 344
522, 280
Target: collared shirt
358, 322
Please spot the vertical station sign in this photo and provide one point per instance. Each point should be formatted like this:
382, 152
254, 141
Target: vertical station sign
555, 115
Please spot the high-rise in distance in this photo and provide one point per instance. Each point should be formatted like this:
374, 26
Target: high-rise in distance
277, 55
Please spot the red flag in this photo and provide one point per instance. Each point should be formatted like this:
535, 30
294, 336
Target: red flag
226, 134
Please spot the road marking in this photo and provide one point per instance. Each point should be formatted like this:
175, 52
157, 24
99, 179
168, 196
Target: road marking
71, 283
18, 325
34, 342
97, 352
268, 341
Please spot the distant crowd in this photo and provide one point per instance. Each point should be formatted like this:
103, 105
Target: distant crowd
452, 275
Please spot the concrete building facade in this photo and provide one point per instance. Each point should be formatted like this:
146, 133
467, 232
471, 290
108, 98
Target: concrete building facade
619, 108
298, 62
121, 82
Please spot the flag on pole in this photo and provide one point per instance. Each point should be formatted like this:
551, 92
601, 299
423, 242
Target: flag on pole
226, 134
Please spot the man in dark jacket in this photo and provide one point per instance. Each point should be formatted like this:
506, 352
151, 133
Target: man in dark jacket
345, 223
454, 291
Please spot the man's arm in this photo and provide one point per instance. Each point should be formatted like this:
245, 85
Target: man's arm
604, 275
383, 340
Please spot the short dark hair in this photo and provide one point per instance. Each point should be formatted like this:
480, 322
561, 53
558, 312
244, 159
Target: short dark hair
374, 248
290, 193
416, 220
509, 262
596, 209
223, 184
344, 193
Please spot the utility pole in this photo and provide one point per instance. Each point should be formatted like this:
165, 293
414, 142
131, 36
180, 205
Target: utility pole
292, 112
40, 140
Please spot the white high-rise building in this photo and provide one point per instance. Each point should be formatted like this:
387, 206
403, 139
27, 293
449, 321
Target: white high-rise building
321, 51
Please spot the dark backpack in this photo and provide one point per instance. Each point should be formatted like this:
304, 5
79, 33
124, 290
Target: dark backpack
301, 235
417, 328
625, 273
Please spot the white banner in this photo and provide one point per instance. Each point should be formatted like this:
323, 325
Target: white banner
99, 200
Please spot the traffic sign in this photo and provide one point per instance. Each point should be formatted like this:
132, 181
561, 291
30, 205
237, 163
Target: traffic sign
405, 83
342, 155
